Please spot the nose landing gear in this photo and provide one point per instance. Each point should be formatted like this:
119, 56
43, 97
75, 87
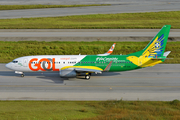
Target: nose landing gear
22, 74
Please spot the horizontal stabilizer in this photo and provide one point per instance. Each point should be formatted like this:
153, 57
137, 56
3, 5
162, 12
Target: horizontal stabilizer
163, 57
166, 53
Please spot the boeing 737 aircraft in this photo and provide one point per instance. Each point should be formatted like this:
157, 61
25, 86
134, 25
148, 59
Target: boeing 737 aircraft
73, 65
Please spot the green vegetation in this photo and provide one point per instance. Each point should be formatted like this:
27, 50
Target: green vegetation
12, 50
17, 7
98, 21
90, 110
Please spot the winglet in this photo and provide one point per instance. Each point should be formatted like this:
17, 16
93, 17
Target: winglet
109, 51
108, 66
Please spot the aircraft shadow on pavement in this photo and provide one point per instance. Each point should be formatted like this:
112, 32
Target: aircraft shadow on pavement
107, 74
7, 73
46, 76
54, 76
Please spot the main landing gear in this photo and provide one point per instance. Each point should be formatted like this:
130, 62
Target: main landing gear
88, 76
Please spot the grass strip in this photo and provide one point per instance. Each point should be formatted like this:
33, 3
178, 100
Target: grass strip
18, 7
149, 20
90, 110
12, 50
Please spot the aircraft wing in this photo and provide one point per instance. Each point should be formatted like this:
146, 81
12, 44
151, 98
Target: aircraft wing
109, 51
87, 70
82, 69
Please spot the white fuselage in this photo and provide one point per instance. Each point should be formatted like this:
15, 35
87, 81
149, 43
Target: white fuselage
43, 62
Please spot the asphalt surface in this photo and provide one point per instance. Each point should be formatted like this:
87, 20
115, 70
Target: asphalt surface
158, 83
66, 2
84, 35
116, 7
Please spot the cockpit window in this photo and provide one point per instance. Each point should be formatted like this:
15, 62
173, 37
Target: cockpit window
15, 61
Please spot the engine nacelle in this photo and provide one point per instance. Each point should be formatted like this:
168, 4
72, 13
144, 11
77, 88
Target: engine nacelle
67, 73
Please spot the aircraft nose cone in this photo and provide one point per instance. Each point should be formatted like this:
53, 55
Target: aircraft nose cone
8, 65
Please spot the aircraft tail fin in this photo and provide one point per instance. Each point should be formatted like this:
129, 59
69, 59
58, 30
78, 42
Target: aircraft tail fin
153, 53
157, 45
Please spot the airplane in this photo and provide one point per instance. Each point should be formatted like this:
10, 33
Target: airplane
74, 65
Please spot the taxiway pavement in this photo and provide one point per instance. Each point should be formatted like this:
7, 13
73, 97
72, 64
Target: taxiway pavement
158, 83
116, 7
70, 2
88, 35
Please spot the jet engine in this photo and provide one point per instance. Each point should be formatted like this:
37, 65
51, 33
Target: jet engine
67, 73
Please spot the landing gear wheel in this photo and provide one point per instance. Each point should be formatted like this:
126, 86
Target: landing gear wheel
22, 75
87, 77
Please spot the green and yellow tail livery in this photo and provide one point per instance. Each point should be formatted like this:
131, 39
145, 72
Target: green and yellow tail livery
153, 53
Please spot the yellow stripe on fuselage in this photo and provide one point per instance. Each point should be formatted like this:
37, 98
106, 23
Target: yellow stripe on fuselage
85, 67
